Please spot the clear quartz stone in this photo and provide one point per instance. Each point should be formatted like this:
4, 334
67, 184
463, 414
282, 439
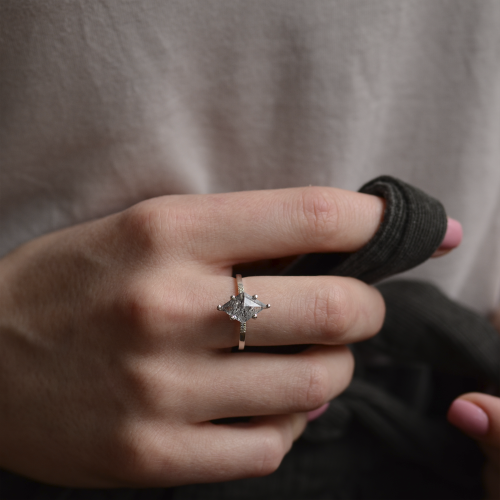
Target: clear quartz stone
243, 307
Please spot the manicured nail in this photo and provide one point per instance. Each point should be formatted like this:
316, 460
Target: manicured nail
313, 415
453, 236
468, 417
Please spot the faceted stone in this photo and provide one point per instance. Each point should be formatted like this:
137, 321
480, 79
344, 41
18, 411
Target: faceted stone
243, 307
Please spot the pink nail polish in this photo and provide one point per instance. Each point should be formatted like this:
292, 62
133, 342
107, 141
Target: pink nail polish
468, 417
453, 236
313, 415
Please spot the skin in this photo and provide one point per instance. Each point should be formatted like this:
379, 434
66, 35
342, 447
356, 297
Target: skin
490, 441
115, 359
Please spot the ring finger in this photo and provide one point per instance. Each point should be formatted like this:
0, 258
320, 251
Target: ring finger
305, 310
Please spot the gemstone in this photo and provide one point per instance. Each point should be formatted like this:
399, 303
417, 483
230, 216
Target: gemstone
243, 307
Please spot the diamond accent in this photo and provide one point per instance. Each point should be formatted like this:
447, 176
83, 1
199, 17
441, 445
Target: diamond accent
243, 307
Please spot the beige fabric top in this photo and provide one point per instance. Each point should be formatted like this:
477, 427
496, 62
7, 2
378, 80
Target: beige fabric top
105, 103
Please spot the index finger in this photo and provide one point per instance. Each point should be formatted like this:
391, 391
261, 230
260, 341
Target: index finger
252, 225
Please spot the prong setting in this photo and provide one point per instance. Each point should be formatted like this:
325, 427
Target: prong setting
243, 306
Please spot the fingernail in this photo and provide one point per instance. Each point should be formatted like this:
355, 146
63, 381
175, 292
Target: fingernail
468, 417
313, 415
453, 236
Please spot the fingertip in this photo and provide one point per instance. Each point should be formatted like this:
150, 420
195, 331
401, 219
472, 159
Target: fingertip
313, 415
453, 236
468, 417
299, 424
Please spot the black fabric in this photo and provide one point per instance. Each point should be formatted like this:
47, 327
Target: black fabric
386, 436
422, 325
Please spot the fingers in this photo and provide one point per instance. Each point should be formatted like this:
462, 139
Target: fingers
208, 453
478, 415
327, 310
304, 310
252, 450
247, 226
452, 238
250, 384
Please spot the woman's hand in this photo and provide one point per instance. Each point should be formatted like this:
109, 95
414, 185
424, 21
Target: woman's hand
114, 359
478, 415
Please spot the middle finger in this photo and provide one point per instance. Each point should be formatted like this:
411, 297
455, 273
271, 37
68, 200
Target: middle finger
251, 384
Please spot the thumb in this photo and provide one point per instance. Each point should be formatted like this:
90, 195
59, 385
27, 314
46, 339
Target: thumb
478, 415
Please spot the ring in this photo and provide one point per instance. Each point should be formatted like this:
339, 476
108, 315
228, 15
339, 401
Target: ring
241, 308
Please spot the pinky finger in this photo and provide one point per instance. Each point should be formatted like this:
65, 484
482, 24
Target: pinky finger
251, 449
210, 453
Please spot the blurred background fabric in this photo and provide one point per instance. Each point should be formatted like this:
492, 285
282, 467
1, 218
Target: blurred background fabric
104, 104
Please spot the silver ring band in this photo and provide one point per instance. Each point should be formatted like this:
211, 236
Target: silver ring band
243, 325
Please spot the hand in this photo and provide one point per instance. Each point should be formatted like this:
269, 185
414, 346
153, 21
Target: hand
478, 415
115, 360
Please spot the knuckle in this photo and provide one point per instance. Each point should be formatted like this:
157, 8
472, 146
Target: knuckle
376, 316
345, 314
330, 312
345, 373
127, 456
140, 307
272, 451
144, 310
320, 211
156, 227
140, 383
316, 386
144, 225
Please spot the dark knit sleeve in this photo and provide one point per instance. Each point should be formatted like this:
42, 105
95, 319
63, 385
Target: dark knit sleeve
413, 227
